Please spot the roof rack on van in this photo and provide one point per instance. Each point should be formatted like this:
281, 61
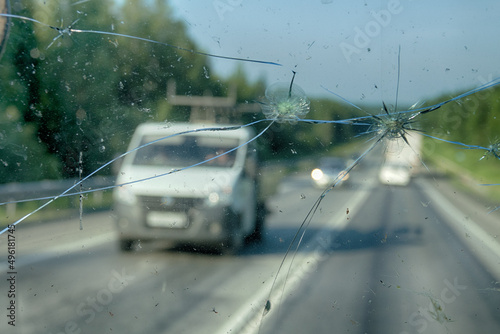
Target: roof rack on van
209, 108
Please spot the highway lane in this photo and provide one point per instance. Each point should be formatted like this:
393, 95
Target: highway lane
397, 268
372, 261
77, 281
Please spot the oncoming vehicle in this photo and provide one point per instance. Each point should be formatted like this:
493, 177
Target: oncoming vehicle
395, 173
211, 204
329, 171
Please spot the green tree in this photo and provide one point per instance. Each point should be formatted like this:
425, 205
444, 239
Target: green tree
86, 92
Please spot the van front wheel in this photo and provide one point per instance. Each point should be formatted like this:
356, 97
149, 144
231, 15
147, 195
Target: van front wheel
126, 245
235, 239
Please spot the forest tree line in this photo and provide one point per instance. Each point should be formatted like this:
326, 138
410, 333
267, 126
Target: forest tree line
62, 94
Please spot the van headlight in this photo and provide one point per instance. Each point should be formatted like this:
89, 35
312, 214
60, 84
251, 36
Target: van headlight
218, 198
213, 199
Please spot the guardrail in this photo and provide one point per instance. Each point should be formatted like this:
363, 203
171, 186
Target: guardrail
13, 193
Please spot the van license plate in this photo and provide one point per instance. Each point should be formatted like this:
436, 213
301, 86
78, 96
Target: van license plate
167, 219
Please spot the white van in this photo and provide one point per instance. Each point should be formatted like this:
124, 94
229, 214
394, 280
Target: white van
213, 203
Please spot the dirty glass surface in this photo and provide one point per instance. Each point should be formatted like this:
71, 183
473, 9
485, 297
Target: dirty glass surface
406, 249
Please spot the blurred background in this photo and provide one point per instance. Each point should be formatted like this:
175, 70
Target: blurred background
70, 101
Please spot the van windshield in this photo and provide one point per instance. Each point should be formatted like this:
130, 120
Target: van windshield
187, 151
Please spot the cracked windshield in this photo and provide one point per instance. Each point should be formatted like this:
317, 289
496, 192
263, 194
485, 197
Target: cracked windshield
237, 166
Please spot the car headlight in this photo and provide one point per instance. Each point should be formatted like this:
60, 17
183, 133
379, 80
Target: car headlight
343, 175
317, 174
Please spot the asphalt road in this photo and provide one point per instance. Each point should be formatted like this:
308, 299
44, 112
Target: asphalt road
374, 259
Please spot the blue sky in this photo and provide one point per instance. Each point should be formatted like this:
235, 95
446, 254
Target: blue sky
351, 46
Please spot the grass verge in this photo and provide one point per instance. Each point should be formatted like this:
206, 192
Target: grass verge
62, 208
465, 167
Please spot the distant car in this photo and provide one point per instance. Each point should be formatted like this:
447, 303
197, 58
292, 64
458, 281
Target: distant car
213, 204
395, 173
329, 171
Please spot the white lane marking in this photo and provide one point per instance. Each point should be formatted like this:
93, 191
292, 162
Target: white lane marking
479, 242
58, 250
247, 319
